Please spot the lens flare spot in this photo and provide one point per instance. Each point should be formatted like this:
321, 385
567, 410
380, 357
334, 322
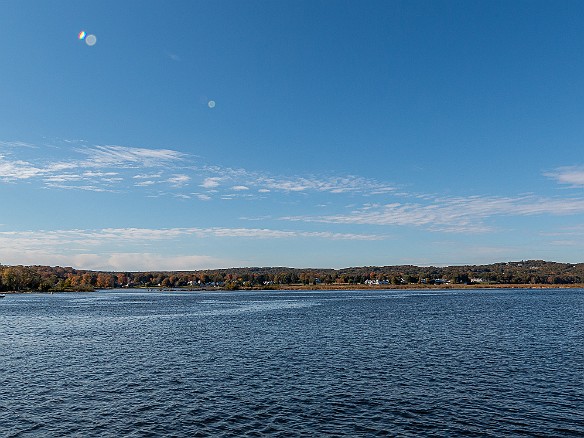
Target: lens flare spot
211, 104
82, 35
90, 40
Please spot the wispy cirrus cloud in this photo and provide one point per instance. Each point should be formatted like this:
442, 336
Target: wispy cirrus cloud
348, 184
16, 144
11, 170
569, 236
265, 183
90, 167
571, 175
179, 180
567, 232
120, 236
108, 156
167, 172
96, 168
132, 248
455, 214
109, 177
88, 181
148, 175
98, 157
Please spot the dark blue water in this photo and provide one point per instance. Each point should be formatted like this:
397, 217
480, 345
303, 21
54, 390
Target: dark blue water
357, 363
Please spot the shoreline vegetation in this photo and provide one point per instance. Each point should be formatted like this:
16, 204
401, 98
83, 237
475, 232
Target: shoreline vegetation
300, 287
530, 274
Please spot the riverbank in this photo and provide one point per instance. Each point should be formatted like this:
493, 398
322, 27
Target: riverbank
408, 286
328, 287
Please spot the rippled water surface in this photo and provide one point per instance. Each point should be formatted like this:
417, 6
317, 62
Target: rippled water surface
353, 363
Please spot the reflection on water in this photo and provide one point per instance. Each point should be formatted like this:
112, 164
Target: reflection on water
298, 363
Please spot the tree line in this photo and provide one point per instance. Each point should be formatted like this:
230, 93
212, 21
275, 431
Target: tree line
47, 279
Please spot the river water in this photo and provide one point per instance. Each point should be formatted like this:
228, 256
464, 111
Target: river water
289, 363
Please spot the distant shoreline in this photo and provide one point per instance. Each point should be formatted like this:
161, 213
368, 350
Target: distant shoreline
530, 274
327, 287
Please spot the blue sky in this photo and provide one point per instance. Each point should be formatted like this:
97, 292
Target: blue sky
206, 134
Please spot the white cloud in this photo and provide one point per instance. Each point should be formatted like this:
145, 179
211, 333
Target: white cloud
91, 174
265, 183
131, 248
124, 156
84, 187
152, 262
572, 236
118, 261
263, 233
95, 181
347, 184
16, 144
572, 175
60, 166
572, 231
17, 169
106, 237
455, 214
97, 168
148, 176
210, 183
65, 177
178, 180
566, 243
103, 166
112, 168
